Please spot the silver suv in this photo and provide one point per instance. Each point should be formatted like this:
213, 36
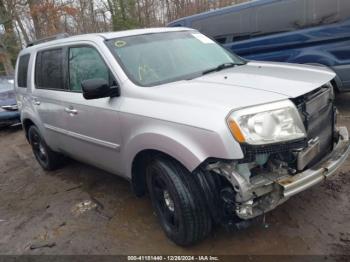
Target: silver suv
212, 138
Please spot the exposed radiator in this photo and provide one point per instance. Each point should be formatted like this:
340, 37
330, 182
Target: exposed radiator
317, 112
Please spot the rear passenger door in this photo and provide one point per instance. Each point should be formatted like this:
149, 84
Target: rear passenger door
93, 125
48, 94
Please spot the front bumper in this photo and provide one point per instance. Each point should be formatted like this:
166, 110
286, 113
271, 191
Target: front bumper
293, 185
261, 193
8, 118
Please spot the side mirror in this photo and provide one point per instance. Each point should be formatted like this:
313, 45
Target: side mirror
98, 88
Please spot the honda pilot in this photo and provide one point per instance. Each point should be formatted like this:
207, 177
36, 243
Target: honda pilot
210, 137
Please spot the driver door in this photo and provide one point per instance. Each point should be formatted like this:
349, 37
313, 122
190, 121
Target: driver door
93, 125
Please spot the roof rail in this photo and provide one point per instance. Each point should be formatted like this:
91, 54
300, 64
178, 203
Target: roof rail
47, 39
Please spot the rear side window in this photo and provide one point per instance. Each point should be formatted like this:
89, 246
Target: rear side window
49, 69
22, 70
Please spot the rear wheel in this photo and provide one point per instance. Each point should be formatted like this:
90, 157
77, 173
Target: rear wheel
48, 159
177, 201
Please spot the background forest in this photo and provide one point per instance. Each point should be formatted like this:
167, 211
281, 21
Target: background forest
22, 21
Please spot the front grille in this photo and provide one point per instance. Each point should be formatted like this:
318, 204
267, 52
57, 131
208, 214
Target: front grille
317, 112
250, 151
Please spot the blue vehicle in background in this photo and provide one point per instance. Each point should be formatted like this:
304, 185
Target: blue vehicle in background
9, 114
315, 32
323, 45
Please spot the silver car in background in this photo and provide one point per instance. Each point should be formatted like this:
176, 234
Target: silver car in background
212, 138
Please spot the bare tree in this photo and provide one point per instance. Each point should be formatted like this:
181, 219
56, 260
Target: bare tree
8, 40
26, 20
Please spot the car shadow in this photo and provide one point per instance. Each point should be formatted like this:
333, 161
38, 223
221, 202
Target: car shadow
11, 129
89, 179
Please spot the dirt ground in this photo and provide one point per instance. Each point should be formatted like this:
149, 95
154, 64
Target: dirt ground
83, 210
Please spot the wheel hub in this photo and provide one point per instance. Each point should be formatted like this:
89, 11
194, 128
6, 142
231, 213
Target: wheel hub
42, 149
168, 201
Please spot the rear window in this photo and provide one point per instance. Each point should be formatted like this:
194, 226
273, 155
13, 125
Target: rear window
23, 70
49, 69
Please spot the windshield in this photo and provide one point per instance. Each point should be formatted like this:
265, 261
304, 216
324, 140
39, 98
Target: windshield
6, 84
153, 59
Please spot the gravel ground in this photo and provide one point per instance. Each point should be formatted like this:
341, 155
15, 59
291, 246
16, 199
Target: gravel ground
83, 210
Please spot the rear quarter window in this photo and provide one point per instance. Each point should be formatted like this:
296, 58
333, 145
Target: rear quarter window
49, 69
22, 70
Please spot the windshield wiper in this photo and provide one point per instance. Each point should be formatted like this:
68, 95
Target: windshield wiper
219, 68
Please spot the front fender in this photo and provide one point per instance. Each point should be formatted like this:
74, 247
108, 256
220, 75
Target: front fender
189, 155
188, 145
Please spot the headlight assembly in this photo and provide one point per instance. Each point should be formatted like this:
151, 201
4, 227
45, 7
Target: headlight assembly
266, 124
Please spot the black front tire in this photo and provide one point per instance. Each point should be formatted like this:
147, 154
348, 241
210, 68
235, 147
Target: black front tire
48, 159
178, 202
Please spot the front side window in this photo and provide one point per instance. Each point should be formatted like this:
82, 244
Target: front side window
153, 59
85, 63
22, 70
49, 69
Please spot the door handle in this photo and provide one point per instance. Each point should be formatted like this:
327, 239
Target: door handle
36, 101
71, 110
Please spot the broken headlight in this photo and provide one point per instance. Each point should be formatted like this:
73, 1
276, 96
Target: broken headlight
266, 124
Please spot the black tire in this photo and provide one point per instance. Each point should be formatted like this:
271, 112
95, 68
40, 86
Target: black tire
178, 202
48, 159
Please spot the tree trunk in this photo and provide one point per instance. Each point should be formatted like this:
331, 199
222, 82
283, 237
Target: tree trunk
111, 8
92, 13
8, 40
33, 5
6, 61
23, 31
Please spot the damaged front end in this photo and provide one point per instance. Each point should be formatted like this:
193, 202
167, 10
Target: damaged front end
270, 174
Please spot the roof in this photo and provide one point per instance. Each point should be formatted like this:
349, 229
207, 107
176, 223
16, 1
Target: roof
224, 10
109, 35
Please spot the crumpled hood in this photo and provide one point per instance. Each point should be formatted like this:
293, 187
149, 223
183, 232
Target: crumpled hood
246, 85
290, 80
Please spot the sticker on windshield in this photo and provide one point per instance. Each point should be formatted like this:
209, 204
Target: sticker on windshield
204, 39
119, 43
